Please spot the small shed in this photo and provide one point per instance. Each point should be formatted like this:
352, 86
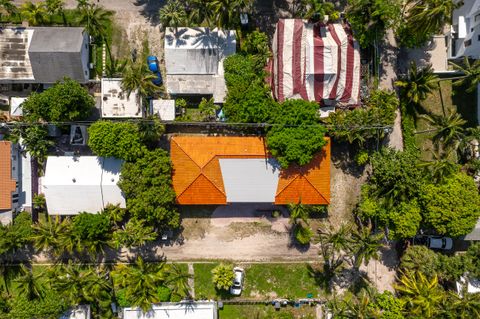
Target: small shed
165, 109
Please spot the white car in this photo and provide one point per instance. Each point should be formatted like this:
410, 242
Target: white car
236, 288
438, 242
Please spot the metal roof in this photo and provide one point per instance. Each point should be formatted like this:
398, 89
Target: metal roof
170, 310
57, 39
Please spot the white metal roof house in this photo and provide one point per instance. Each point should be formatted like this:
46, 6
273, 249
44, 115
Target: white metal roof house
81, 184
78, 312
464, 36
43, 54
118, 104
194, 60
170, 310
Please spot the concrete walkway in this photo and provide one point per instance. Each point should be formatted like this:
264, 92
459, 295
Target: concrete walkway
191, 280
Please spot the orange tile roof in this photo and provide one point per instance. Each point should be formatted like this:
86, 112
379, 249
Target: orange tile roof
197, 177
7, 184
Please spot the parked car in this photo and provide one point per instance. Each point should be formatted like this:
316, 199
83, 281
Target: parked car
236, 288
439, 242
152, 62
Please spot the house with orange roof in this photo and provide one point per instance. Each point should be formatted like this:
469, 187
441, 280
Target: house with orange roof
220, 170
8, 180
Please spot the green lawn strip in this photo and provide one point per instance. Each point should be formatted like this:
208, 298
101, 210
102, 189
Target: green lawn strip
262, 281
264, 311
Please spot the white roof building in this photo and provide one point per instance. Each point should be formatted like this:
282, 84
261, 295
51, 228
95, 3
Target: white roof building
78, 312
116, 103
464, 36
194, 60
81, 184
181, 310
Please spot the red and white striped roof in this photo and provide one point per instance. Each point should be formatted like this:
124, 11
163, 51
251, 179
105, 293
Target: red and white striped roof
315, 62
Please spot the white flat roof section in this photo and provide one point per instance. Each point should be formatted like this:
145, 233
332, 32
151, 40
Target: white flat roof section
81, 184
116, 103
252, 180
165, 109
16, 106
182, 310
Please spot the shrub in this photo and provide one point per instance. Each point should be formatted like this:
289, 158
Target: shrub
303, 234
121, 296
90, 227
223, 276
362, 158
164, 293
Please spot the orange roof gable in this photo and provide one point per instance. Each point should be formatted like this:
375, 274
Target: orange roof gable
7, 184
197, 177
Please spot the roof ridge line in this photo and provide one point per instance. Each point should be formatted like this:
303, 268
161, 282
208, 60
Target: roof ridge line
321, 195
184, 152
201, 172
288, 184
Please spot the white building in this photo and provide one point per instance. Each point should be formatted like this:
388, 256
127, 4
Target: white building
170, 310
118, 104
78, 312
164, 109
81, 184
194, 61
464, 36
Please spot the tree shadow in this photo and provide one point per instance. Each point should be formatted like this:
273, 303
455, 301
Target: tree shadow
342, 156
321, 277
150, 9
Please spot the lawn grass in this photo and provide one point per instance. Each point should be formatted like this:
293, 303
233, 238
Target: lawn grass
262, 281
264, 311
446, 99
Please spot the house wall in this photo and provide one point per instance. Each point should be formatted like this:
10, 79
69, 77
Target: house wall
464, 36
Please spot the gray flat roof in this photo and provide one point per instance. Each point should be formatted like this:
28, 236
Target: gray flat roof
56, 39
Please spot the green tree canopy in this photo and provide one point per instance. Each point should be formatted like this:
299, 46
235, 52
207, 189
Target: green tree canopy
65, 101
50, 306
147, 185
371, 18
453, 207
116, 139
90, 227
223, 276
298, 135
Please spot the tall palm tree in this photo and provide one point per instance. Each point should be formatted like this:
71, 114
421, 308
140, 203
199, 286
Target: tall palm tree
7, 8
95, 19
317, 9
133, 234
334, 246
298, 212
173, 15
471, 74
361, 308
141, 280
422, 296
200, 13
29, 285
227, 12
366, 245
429, 16
418, 84
34, 13
464, 306
137, 76
449, 129
178, 281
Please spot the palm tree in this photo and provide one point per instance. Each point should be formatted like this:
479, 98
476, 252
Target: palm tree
430, 16
298, 212
471, 74
34, 13
56, 7
449, 129
178, 281
464, 306
422, 296
333, 247
317, 9
440, 167
46, 234
361, 308
137, 76
95, 19
200, 13
173, 15
7, 8
227, 12
29, 285
366, 245
418, 84
141, 280
8, 273
133, 234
